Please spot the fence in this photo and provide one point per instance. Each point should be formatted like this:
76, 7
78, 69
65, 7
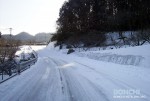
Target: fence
11, 68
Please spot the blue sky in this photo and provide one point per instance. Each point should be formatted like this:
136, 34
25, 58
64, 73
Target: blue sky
32, 16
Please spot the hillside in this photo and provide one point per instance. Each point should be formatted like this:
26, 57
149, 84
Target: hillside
23, 36
42, 37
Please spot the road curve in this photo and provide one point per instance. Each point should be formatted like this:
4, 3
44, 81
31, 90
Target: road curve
57, 80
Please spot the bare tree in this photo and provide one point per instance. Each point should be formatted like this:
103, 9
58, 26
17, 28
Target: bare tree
7, 49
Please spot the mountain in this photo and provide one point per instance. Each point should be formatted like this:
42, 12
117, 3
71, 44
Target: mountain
42, 37
23, 36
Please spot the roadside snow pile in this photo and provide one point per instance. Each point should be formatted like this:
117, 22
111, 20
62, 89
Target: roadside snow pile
115, 58
136, 56
38, 47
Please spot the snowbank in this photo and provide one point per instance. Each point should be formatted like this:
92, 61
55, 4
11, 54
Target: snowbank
136, 56
115, 58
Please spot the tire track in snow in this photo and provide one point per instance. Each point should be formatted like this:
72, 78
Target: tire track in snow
76, 87
66, 92
80, 89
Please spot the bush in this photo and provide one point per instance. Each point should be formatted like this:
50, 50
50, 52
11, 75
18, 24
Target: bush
70, 51
68, 46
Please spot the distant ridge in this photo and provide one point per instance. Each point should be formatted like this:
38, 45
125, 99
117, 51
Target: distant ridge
24, 36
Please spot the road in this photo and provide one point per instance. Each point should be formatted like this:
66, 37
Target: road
53, 79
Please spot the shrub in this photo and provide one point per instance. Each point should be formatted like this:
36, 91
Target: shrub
70, 51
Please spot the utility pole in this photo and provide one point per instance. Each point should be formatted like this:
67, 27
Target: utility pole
0, 34
10, 29
45, 38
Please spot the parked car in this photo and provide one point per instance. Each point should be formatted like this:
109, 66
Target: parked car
24, 53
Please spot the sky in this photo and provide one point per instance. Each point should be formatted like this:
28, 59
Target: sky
32, 16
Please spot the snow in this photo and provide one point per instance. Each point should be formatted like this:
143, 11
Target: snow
60, 77
38, 47
137, 56
25, 52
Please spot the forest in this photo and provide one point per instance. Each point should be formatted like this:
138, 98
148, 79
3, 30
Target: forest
86, 23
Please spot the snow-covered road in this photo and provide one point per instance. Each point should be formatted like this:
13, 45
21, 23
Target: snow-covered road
54, 80
57, 77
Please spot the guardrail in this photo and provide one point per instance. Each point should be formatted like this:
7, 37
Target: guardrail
25, 64
9, 70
